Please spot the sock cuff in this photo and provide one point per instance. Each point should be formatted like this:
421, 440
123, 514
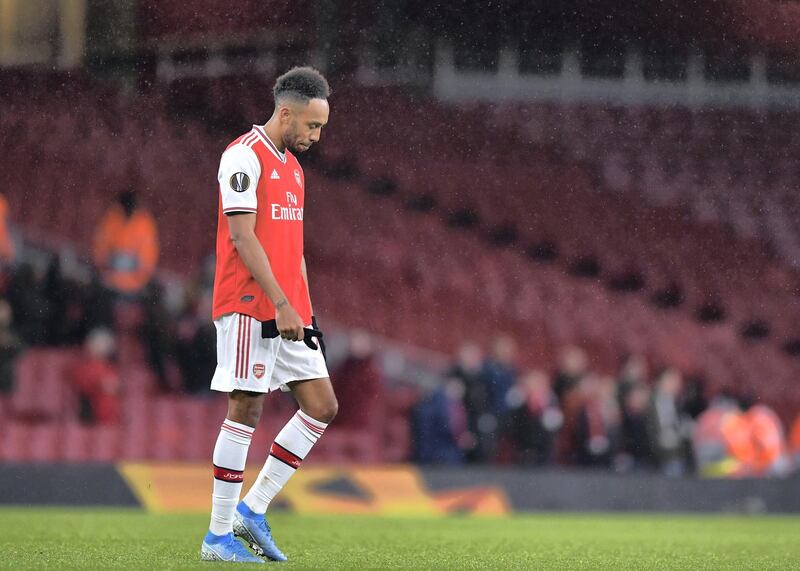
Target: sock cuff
238, 429
311, 423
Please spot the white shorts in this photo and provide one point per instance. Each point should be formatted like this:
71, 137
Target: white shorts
246, 362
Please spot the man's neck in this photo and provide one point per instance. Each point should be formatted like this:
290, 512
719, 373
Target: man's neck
272, 129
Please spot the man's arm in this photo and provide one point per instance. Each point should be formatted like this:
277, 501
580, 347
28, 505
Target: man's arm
304, 272
242, 230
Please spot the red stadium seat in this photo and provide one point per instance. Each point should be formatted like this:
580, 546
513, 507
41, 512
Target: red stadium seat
676, 194
43, 391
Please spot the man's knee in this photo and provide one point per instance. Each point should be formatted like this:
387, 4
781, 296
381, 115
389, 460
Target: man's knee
245, 408
324, 411
331, 410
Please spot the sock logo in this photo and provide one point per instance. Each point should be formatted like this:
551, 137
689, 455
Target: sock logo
226, 475
289, 458
258, 370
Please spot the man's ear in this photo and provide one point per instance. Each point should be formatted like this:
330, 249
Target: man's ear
284, 114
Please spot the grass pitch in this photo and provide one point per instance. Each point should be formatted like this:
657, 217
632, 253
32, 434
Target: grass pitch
133, 539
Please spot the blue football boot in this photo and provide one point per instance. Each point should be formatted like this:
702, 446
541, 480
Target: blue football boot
255, 531
226, 548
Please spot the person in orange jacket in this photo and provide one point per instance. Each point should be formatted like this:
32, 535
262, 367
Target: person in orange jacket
734, 444
722, 441
794, 442
126, 246
769, 444
737, 434
7, 249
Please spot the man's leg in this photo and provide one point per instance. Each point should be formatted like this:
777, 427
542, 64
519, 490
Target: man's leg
230, 455
318, 407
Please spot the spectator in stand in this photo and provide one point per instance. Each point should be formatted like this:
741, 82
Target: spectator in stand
769, 444
499, 373
717, 436
666, 423
534, 418
96, 380
573, 364
694, 396
568, 385
195, 345
441, 434
98, 303
10, 347
30, 306
480, 421
204, 280
7, 249
157, 334
126, 246
635, 444
632, 374
359, 386
599, 422
69, 302
732, 443
52, 308
794, 442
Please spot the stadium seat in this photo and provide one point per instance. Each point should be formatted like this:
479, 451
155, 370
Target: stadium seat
43, 391
694, 197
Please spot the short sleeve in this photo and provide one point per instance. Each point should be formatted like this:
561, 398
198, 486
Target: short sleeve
239, 171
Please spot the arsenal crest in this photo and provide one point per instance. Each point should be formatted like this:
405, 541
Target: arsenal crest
258, 370
297, 178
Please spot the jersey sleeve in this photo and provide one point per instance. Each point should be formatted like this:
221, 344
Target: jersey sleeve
239, 171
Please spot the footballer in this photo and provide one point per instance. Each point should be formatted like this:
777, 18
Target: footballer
263, 316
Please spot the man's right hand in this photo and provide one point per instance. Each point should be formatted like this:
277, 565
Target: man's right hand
290, 326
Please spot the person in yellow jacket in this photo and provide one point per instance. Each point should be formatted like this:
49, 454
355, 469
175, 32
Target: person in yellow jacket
126, 246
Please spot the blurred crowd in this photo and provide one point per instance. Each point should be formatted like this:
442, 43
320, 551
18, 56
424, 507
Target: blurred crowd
486, 410
54, 300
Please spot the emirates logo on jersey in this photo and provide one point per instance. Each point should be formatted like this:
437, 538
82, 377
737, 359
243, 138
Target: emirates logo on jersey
239, 182
289, 212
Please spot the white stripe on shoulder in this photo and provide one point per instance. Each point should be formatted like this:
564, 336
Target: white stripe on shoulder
249, 139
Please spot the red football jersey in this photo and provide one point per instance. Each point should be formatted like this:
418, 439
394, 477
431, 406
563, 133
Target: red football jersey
255, 177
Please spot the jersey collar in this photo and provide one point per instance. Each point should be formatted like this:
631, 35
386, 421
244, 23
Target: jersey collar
270, 145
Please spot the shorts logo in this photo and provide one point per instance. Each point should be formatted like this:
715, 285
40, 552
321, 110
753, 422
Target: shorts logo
297, 178
258, 370
239, 182
247, 298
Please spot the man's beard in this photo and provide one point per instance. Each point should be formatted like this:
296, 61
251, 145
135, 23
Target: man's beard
291, 142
